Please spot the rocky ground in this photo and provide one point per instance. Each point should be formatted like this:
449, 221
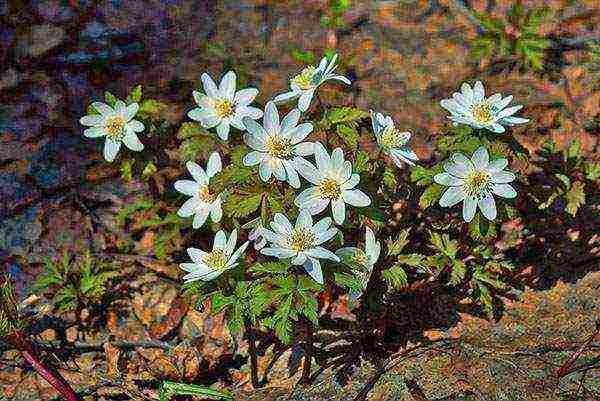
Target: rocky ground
57, 194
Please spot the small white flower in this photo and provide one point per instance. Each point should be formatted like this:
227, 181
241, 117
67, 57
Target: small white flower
209, 265
392, 142
333, 183
474, 182
117, 125
304, 85
203, 201
277, 146
471, 107
300, 242
223, 106
361, 262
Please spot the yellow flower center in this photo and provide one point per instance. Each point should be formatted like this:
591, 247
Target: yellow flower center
302, 239
477, 183
224, 108
114, 127
482, 113
304, 79
330, 189
360, 258
216, 260
279, 147
205, 194
390, 138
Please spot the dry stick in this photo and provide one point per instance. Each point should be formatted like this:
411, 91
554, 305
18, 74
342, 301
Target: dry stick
308, 352
250, 333
27, 349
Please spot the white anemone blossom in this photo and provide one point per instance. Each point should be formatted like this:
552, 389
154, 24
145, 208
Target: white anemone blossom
474, 182
333, 182
361, 261
203, 200
222, 107
277, 147
255, 234
391, 141
206, 266
300, 242
304, 85
471, 107
116, 124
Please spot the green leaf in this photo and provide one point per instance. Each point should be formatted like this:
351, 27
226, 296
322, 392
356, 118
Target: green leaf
110, 99
168, 389
430, 195
127, 169
280, 321
278, 267
459, 270
412, 259
575, 198
395, 277
338, 115
592, 171
395, 247
574, 149
306, 57
149, 170
218, 302
151, 108
346, 280
373, 213
349, 135
135, 96
362, 162
389, 178
421, 175
238, 205
444, 244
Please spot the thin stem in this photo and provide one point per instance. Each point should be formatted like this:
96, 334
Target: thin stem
250, 333
53, 378
308, 352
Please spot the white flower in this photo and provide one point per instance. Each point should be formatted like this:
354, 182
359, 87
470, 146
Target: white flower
223, 106
333, 183
391, 141
474, 182
209, 265
277, 146
117, 125
300, 242
361, 262
203, 201
471, 107
304, 85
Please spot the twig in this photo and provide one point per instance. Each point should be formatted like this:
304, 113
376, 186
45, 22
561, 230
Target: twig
308, 352
250, 333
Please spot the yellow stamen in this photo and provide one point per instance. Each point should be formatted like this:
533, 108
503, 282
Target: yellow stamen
477, 183
304, 79
114, 127
224, 108
205, 194
302, 239
215, 260
330, 189
279, 147
391, 138
482, 113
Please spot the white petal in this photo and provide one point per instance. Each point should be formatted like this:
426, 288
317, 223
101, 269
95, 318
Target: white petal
220, 240
497, 128
271, 118
501, 104
290, 121
202, 100
338, 210
230, 247
282, 224
216, 212
255, 129
322, 157
214, 164
341, 78
503, 177
187, 187
504, 190
326, 235
189, 207
135, 126
509, 111
111, 148
94, 132
265, 171
313, 268
299, 259
199, 218
210, 88
280, 253
304, 149
481, 158
301, 132
133, 142
447, 179
356, 197
305, 99
245, 96
451, 197
467, 92
351, 182
255, 142
292, 174
488, 206
130, 111
306, 197
249, 111
287, 96
469, 208
197, 172
318, 205
307, 170
304, 220
512, 120
223, 130
253, 158
102, 108
497, 165
237, 254
92, 121
322, 253
478, 92
227, 85
206, 117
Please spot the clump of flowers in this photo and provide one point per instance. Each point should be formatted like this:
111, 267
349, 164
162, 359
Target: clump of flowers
471, 107
474, 182
116, 124
223, 106
304, 85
